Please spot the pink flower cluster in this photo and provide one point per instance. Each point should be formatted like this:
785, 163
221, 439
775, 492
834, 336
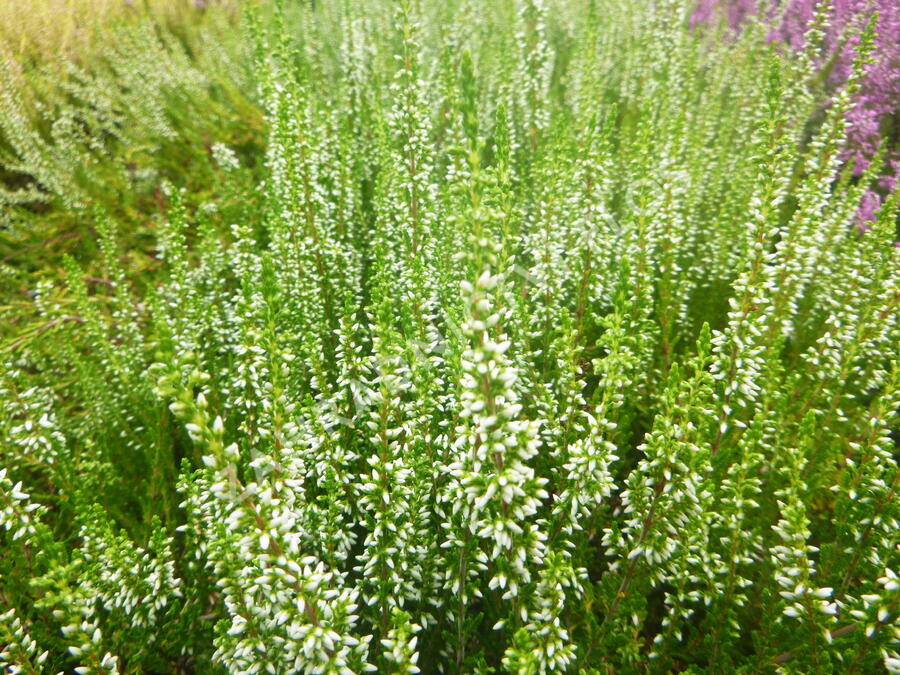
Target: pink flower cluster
876, 115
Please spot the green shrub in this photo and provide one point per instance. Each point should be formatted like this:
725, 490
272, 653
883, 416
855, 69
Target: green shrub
547, 343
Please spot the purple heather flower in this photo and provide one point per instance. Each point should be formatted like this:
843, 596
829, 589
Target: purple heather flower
868, 210
736, 12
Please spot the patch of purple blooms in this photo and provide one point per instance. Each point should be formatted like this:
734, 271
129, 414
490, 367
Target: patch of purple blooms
733, 11
876, 114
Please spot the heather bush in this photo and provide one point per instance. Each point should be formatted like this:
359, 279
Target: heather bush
534, 336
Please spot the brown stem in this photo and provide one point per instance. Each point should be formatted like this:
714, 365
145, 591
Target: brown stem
839, 632
43, 329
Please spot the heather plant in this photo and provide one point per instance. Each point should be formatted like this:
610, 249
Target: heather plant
532, 337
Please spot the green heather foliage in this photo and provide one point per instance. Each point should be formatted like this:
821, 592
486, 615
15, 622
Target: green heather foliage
519, 336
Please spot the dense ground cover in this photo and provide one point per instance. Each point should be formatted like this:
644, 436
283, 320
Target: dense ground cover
509, 336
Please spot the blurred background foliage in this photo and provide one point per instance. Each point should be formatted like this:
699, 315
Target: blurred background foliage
101, 103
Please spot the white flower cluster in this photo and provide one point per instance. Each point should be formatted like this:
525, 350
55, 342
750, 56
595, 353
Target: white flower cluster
17, 514
543, 644
225, 157
498, 492
20, 651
